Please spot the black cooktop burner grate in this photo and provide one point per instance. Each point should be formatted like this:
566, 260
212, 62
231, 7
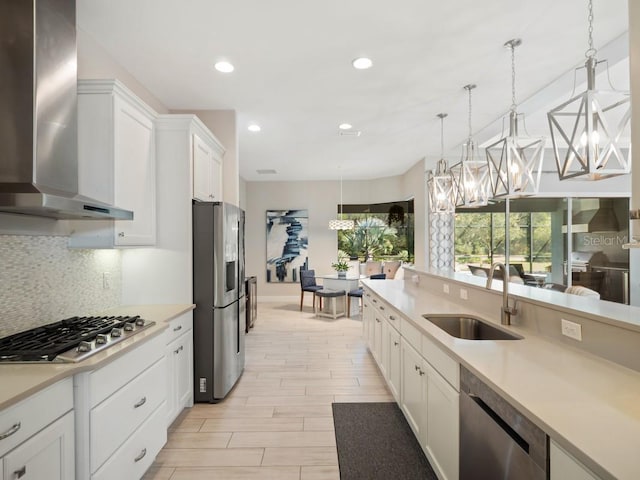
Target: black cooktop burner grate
44, 343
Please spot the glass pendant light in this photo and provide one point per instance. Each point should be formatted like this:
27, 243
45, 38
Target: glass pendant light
341, 223
587, 129
440, 182
515, 162
471, 174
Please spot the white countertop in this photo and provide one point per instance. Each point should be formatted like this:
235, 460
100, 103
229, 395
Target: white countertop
587, 404
19, 381
625, 316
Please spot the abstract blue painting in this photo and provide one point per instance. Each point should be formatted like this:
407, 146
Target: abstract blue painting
287, 244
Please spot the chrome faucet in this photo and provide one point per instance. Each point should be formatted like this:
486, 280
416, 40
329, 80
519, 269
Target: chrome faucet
507, 311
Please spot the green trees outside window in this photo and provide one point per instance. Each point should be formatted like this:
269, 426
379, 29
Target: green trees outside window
382, 232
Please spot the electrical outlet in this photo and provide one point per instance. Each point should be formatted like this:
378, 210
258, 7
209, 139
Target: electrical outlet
571, 329
463, 294
445, 288
106, 280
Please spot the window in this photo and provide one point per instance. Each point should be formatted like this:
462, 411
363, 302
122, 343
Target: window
554, 241
383, 231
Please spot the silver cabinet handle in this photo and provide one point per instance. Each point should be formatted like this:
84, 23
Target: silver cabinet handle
421, 372
391, 317
178, 350
140, 455
20, 472
142, 401
11, 431
374, 300
381, 307
178, 328
417, 368
378, 320
396, 343
121, 234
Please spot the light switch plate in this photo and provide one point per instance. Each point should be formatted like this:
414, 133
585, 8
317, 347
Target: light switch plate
445, 287
463, 294
571, 329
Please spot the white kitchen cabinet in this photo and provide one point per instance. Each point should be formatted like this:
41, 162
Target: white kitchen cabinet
377, 339
207, 170
113, 405
394, 368
179, 354
117, 158
442, 431
414, 390
37, 435
564, 466
48, 454
368, 315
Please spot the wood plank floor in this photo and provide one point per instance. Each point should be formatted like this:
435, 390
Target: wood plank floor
277, 422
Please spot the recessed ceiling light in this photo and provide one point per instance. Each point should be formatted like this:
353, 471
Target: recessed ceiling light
362, 63
345, 126
224, 67
254, 127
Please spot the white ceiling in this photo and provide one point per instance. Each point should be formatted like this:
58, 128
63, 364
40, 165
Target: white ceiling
294, 76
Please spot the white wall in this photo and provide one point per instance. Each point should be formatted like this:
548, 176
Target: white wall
320, 199
95, 62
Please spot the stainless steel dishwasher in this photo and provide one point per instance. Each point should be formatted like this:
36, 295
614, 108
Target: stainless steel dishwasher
496, 441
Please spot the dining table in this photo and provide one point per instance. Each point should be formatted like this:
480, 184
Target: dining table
348, 282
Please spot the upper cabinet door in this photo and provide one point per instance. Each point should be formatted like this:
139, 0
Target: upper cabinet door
135, 174
207, 171
202, 170
117, 157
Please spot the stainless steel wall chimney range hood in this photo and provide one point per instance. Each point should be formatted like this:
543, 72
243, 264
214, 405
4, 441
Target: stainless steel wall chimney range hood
39, 119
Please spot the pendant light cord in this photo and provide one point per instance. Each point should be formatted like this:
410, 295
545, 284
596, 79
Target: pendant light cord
514, 105
442, 134
340, 194
591, 52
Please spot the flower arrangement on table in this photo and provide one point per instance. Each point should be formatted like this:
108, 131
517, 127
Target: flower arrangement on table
341, 267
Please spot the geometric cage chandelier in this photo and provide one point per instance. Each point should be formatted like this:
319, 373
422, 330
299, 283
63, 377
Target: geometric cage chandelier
440, 182
471, 174
515, 162
587, 129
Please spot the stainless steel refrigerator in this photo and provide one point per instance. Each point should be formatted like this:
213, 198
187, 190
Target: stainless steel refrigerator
218, 293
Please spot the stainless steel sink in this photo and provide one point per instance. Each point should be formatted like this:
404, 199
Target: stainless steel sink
470, 328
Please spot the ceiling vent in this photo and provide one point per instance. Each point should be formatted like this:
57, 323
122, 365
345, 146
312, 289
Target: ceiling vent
266, 171
349, 133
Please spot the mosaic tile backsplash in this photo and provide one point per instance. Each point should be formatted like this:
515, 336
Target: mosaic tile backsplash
43, 281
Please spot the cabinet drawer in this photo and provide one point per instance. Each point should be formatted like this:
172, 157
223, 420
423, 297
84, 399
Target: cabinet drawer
34, 413
441, 362
118, 416
179, 326
121, 371
411, 334
49, 454
135, 455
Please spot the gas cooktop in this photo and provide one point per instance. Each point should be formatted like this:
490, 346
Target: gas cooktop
70, 340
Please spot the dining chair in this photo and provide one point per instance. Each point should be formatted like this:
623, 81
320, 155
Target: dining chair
308, 284
358, 292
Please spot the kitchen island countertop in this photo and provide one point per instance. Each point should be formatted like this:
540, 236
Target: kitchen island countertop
588, 405
20, 380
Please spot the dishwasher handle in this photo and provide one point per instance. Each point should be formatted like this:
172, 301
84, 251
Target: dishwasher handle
524, 445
